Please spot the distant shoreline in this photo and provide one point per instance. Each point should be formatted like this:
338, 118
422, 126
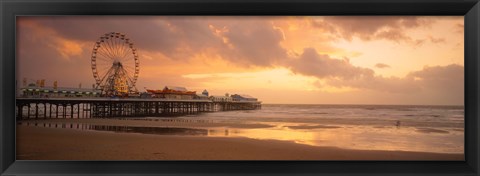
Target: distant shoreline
440, 105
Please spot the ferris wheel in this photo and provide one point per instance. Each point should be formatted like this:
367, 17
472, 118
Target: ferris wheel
115, 64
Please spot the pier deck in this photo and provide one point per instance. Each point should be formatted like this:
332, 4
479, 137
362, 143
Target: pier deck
27, 108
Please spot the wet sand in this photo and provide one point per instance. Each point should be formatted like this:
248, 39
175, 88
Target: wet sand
39, 143
312, 127
430, 130
152, 123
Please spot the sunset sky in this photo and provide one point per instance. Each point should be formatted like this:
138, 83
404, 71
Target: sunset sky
287, 60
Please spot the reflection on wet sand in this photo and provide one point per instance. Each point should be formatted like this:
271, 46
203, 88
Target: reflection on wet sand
126, 129
311, 127
343, 136
431, 130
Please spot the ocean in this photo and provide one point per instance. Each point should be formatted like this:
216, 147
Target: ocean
438, 129
365, 127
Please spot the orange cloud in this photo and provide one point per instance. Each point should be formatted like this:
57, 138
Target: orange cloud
68, 48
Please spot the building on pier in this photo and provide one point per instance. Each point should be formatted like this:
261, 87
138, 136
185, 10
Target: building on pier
146, 95
243, 97
33, 91
221, 98
201, 97
173, 92
205, 92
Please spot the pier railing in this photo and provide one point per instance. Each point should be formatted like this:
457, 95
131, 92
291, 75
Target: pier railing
29, 108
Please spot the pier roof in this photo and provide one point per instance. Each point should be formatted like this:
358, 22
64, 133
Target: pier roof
69, 89
243, 95
220, 96
176, 88
103, 99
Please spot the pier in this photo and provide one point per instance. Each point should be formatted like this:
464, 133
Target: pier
38, 108
115, 71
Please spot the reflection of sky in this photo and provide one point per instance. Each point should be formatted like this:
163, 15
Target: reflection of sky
439, 140
355, 137
384, 115
422, 128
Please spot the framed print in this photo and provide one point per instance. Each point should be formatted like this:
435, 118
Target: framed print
254, 87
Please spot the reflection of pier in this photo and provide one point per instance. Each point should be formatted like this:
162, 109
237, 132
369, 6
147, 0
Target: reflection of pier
122, 129
27, 108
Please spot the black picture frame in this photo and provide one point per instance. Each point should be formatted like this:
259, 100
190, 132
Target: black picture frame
9, 9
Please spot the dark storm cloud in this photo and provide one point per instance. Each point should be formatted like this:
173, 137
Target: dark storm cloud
254, 42
443, 80
153, 34
250, 42
448, 78
341, 73
371, 27
322, 66
37, 59
143, 29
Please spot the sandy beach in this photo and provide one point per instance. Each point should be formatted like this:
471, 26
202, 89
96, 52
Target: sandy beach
40, 143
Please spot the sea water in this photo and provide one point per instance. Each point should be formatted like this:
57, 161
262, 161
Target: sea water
438, 129
365, 127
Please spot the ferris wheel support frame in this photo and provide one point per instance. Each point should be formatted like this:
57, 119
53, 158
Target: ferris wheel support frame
116, 50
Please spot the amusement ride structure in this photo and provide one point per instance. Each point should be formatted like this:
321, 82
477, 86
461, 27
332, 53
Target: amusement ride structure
115, 65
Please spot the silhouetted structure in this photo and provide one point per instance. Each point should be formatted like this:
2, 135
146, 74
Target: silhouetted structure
27, 108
